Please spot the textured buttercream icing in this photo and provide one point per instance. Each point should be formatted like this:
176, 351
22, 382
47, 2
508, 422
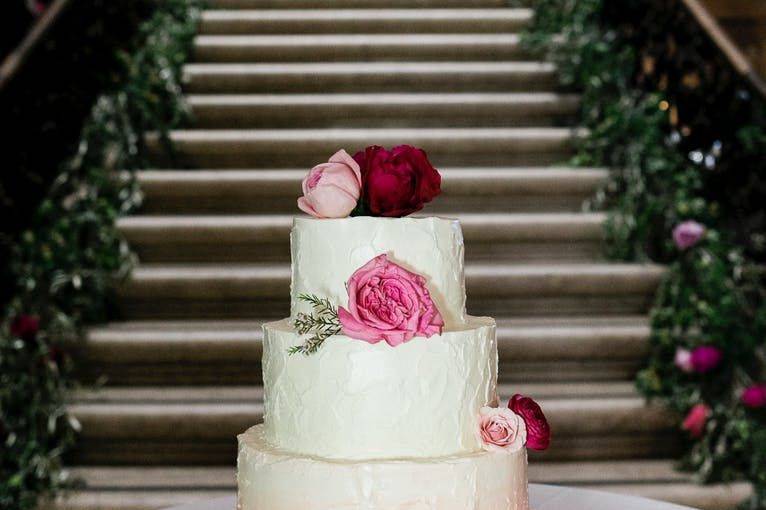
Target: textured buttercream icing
326, 252
270, 478
354, 400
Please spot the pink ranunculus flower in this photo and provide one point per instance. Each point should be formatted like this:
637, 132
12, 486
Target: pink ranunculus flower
754, 396
501, 429
705, 358
695, 421
687, 234
683, 360
332, 189
538, 430
387, 302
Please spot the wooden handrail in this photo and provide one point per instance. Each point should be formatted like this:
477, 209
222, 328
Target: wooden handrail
13, 62
721, 39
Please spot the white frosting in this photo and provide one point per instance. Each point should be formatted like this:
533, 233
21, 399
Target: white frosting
354, 400
272, 479
326, 252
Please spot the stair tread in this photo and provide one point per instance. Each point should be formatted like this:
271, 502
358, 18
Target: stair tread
374, 68
385, 99
460, 14
355, 40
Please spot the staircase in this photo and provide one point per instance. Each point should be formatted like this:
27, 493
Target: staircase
279, 85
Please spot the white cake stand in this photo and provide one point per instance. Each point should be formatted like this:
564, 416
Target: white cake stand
542, 497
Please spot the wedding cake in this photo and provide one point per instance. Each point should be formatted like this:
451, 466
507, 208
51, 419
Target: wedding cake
379, 390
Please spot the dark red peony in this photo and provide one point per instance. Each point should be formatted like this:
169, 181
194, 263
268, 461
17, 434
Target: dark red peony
538, 430
398, 182
25, 327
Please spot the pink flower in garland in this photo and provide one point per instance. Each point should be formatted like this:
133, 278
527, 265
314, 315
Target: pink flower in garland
705, 358
695, 421
501, 429
754, 396
687, 234
683, 360
538, 430
387, 302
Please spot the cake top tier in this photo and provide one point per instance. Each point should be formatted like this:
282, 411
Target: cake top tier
326, 252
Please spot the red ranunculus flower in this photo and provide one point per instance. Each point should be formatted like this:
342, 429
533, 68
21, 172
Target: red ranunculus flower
538, 430
25, 327
398, 182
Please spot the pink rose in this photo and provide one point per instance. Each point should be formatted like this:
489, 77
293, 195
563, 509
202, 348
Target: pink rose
695, 421
501, 429
332, 189
705, 358
683, 360
387, 302
538, 430
754, 396
687, 234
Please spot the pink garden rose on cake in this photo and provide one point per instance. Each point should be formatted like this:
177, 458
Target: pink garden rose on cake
388, 302
375, 182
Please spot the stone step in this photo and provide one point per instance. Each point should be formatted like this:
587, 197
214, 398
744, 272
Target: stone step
367, 21
199, 424
305, 147
499, 290
382, 110
357, 47
369, 77
229, 352
261, 238
554, 189
352, 4
151, 488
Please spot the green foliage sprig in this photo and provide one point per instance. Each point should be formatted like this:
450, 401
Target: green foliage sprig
321, 324
68, 260
685, 138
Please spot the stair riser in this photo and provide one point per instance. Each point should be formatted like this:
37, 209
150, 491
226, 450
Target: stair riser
289, 153
276, 308
352, 4
246, 24
223, 453
244, 252
459, 81
160, 203
217, 52
488, 114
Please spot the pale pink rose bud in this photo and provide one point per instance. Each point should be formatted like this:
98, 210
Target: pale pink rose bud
687, 234
501, 429
683, 360
332, 189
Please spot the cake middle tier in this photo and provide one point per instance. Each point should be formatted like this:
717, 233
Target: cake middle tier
355, 400
326, 252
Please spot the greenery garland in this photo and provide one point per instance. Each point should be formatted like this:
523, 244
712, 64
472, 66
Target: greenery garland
686, 141
68, 260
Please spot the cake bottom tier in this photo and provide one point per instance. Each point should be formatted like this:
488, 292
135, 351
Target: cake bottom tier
273, 479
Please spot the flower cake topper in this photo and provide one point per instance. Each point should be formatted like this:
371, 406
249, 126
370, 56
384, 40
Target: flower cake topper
511, 428
386, 302
375, 182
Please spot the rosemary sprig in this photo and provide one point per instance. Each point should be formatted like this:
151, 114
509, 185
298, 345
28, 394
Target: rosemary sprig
322, 324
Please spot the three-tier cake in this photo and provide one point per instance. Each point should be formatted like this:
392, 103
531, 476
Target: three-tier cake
379, 390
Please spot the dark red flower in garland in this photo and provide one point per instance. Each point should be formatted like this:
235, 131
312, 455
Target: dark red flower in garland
398, 182
25, 327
